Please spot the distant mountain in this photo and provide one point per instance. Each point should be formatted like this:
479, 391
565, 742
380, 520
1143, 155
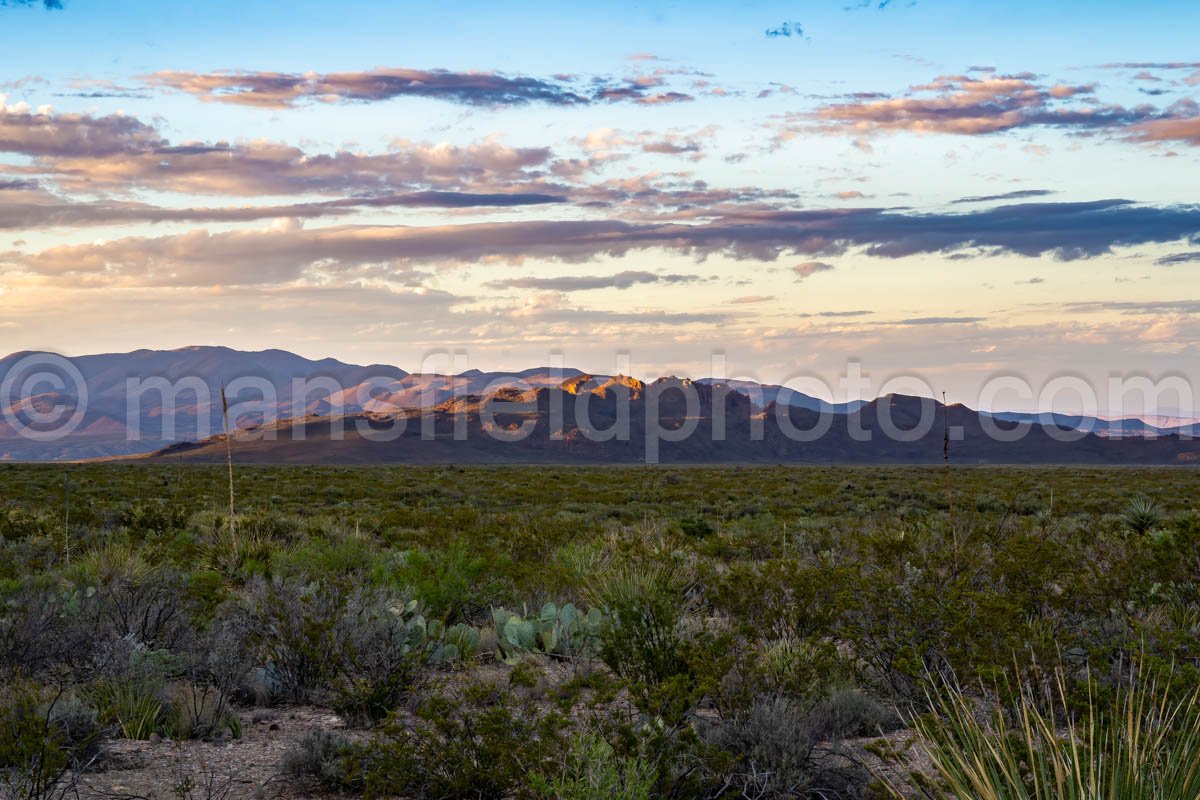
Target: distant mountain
1125, 426
764, 394
545, 425
197, 372
263, 397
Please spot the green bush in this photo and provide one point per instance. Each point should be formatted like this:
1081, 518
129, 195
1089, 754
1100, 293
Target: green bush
453, 583
642, 636
321, 755
485, 746
45, 734
200, 712
592, 770
385, 650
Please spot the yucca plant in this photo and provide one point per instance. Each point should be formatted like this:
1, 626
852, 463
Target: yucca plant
1142, 515
1142, 744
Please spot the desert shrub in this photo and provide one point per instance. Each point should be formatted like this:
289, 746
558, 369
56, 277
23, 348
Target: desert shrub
225, 654
591, 769
45, 734
484, 746
199, 712
353, 645
18, 524
453, 583
155, 609
644, 610
848, 714
32, 633
77, 723
696, 527
154, 516
325, 559
297, 634
128, 686
927, 600
780, 751
321, 755
385, 649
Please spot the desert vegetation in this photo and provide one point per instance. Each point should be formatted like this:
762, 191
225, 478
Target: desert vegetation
606, 632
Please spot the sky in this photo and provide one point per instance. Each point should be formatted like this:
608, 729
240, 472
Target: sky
949, 190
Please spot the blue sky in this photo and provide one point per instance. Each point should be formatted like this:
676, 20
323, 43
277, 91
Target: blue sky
653, 199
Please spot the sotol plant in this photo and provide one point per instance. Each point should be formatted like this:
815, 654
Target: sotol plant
1144, 744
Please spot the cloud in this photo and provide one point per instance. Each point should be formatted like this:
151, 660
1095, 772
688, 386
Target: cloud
79, 153
836, 314
1137, 307
1178, 258
1152, 65
1065, 231
1020, 194
271, 168
24, 206
938, 321
1031, 282
1181, 123
118, 154
260, 89
786, 31
969, 105
40, 133
92, 88
751, 299
810, 268
878, 5
579, 283
610, 143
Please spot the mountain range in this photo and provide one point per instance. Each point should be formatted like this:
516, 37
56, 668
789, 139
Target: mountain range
449, 418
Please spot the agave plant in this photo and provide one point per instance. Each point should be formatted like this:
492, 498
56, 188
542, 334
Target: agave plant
1142, 515
1143, 744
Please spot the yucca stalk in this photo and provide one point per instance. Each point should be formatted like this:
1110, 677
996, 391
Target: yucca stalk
1144, 744
228, 456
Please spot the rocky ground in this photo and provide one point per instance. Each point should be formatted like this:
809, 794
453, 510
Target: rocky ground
248, 767
251, 767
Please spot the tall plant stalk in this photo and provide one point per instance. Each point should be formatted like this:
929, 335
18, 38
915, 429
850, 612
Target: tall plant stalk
67, 517
228, 457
